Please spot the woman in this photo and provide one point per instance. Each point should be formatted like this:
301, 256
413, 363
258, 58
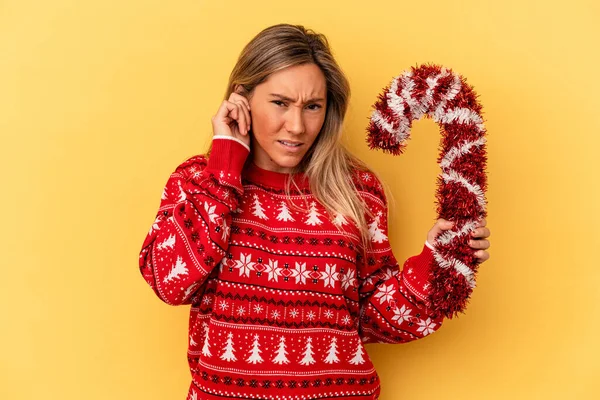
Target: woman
278, 239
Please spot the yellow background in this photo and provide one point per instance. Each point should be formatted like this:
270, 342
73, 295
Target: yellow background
100, 100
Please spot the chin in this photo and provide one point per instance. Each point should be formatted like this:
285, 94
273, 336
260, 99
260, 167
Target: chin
287, 162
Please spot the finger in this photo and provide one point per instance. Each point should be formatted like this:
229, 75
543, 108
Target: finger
235, 113
480, 233
247, 116
482, 223
241, 120
227, 112
238, 97
482, 255
444, 224
223, 111
479, 244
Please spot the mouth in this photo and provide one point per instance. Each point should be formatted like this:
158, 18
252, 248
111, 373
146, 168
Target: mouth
290, 144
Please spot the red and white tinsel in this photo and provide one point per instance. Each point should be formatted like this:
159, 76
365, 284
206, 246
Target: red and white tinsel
444, 96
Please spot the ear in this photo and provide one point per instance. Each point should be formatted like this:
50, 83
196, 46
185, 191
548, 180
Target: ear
239, 89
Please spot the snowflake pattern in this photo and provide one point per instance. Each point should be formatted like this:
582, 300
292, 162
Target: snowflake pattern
225, 229
401, 314
272, 270
300, 273
347, 279
329, 276
426, 326
210, 211
245, 265
385, 293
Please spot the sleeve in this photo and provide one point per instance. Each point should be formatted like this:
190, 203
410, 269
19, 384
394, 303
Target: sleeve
393, 303
190, 234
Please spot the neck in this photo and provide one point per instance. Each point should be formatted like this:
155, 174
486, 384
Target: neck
272, 178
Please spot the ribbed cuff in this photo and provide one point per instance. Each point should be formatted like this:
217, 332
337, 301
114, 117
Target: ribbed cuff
421, 263
228, 156
416, 272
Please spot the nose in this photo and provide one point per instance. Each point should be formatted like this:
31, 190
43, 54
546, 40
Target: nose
294, 121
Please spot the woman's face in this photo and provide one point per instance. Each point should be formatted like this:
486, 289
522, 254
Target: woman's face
287, 112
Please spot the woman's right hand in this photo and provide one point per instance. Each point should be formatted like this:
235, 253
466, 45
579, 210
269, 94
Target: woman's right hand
233, 118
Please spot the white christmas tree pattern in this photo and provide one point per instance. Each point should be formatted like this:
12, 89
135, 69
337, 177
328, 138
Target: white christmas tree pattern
375, 232
193, 395
180, 268
163, 196
154, 226
313, 215
255, 351
358, 355
167, 243
228, 349
308, 353
339, 220
182, 195
281, 353
258, 210
332, 353
206, 347
284, 213
190, 289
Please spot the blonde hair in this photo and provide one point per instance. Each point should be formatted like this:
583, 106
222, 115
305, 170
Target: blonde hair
328, 164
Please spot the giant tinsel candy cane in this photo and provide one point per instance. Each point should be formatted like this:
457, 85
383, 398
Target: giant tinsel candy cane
437, 92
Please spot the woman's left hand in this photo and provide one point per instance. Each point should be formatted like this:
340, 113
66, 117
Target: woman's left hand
478, 237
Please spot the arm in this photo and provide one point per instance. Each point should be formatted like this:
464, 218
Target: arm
190, 234
393, 305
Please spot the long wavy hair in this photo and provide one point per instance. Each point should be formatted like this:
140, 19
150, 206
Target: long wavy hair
328, 164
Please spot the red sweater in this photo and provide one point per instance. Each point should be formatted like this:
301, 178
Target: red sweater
282, 301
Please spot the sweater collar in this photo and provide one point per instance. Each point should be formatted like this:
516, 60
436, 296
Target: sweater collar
263, 177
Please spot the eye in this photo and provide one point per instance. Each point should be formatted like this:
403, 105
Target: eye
278, 102
314, 106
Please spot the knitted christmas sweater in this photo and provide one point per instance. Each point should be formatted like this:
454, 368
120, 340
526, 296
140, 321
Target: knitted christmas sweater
282, 301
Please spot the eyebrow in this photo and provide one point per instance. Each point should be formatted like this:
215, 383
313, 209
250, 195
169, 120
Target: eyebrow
282, 97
